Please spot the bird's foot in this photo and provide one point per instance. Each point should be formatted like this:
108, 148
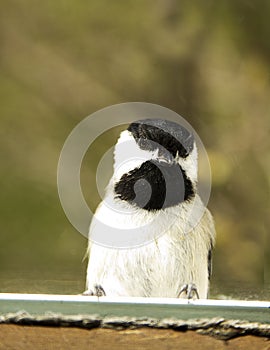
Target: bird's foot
98, 291
190, 290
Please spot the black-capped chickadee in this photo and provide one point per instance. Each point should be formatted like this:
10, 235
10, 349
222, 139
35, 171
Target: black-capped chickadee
152, 201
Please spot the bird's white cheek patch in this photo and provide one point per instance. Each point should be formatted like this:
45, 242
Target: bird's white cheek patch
128, 155
127, 165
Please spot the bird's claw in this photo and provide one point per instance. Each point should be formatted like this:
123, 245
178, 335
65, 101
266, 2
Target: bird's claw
190, 289
98, 291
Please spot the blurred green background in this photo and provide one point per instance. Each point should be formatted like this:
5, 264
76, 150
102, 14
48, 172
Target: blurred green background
62, 60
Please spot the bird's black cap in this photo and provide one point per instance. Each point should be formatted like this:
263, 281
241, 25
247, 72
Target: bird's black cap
152, 134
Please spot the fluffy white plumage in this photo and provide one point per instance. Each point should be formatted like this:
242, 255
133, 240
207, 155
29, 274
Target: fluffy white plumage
172, 259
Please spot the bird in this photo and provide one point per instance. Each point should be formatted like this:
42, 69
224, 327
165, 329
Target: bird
167, 235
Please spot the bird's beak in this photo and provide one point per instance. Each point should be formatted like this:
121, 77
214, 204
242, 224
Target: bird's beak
165, 156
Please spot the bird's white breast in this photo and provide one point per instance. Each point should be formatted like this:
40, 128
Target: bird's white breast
158, 268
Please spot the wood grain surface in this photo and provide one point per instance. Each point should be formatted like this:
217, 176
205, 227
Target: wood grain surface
56, 338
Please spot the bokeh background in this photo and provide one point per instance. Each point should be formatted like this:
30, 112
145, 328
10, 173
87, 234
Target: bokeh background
62, 60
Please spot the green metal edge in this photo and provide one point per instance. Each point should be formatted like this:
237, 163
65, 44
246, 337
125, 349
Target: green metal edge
138, 310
